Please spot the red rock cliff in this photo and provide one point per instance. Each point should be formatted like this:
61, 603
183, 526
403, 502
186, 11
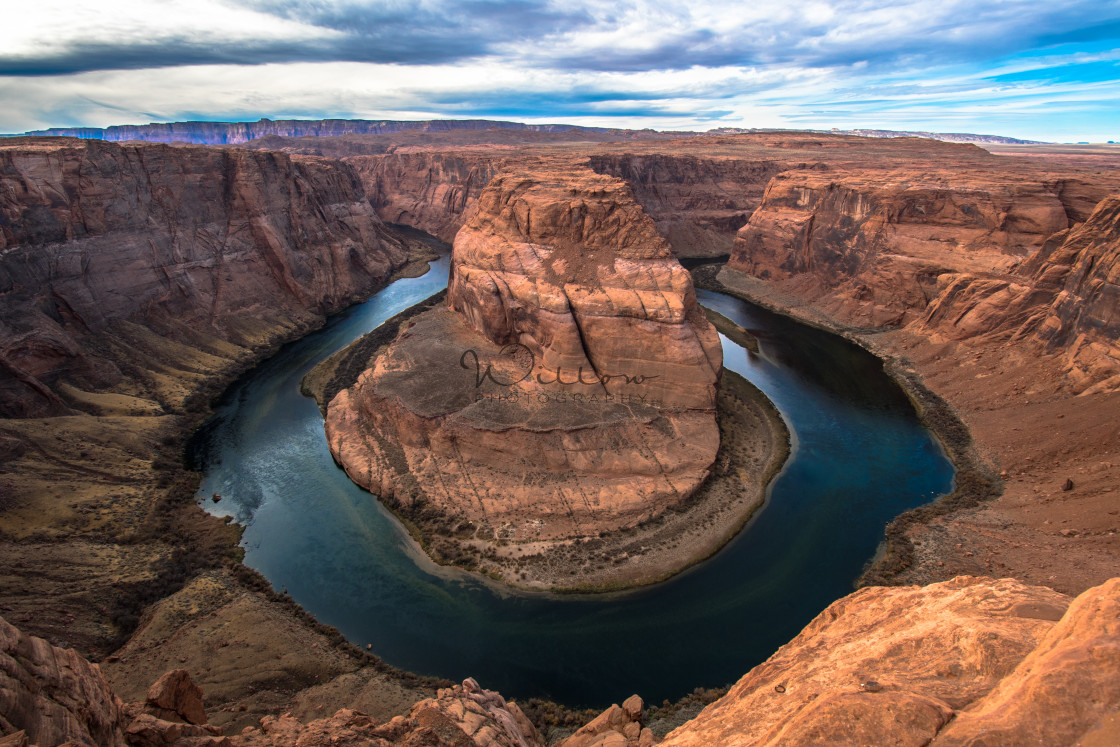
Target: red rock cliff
870, 245
430, 191
231, 243
1066, 296
697, 203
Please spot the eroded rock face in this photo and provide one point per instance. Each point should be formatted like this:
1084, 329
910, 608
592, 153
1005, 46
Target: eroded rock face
1084, 317
1066, 691
620, 726
568, 389
182, 240
54, 695
573, 269
894, 665
430, 191
460, 716
870, 246
1066, 296
697, 203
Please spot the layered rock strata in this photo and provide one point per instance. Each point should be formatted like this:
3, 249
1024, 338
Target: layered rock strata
567, 389
182, 240
1067, 296
697, 203
54, 695
870, 246
431, 191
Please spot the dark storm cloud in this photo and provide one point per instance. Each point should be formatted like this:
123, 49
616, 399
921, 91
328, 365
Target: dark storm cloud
359, 32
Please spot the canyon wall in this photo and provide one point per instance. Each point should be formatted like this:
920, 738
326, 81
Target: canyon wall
1084, 317
697, 203
991, 280
429, 191
1067, 296
567, 389
869, 246
239, 246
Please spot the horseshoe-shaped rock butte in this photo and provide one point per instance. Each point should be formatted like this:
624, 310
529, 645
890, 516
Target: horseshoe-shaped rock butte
567, 389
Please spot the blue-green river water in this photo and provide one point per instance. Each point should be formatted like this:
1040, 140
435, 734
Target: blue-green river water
859, 458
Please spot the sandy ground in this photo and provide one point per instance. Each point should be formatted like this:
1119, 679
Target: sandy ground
1037, 435
255, 655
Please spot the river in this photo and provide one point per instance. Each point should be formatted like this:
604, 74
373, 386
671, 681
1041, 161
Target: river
860, 457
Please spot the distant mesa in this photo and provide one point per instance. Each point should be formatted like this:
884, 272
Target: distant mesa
232, 133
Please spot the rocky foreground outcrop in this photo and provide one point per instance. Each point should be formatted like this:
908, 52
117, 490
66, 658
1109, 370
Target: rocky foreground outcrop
202, 246
51, 696
567, 389
969, 661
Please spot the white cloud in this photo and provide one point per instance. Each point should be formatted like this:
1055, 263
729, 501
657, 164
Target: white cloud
639, 64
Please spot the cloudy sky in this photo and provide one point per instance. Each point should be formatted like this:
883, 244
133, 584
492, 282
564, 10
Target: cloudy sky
1024, 68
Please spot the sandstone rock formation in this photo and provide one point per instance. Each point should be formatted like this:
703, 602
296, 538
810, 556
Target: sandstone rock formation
1066, 295
183, 239
572, 269
175, 697
1083, 320
50, 696
133, 281
620, 726
873, 244
54, 695
697, 203
430, 191
462, 716
568, 389
968, 661
71, 546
